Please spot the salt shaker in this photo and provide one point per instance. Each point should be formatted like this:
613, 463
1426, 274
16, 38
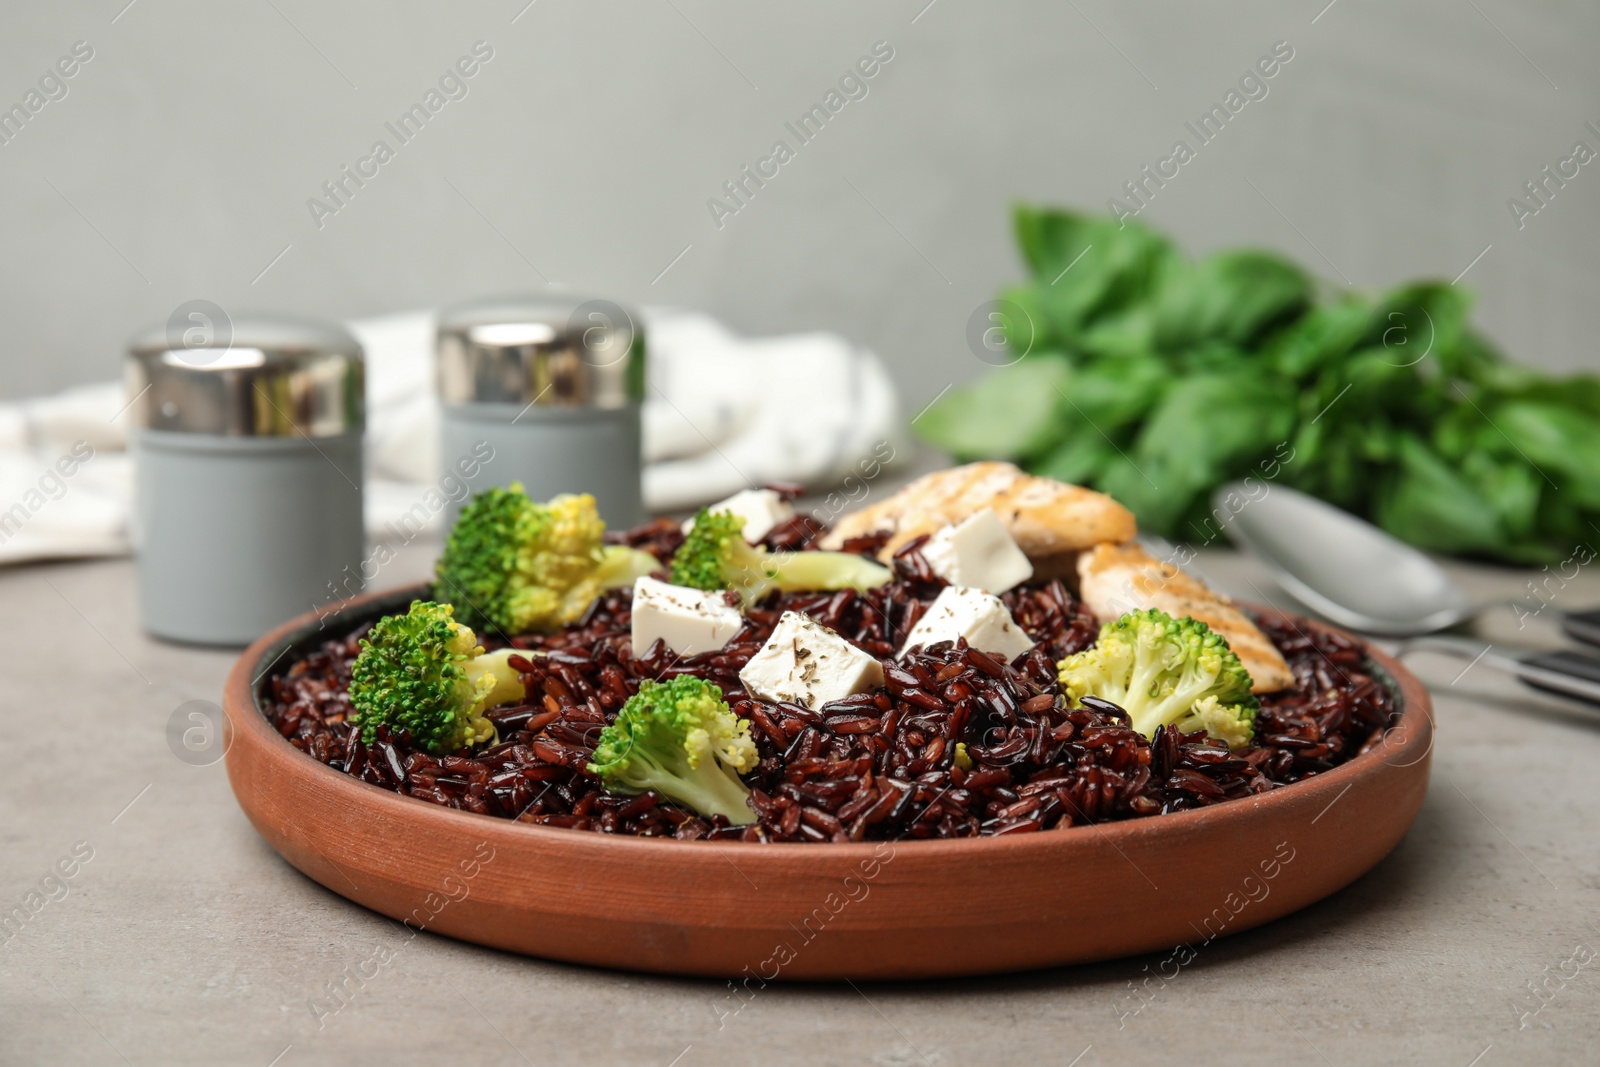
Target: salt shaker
247, 445
553, 383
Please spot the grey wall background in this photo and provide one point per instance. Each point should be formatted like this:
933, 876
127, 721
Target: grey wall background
179, 164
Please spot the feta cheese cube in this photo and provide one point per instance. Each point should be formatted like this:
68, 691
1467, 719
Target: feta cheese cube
761, 510
973, 614
688, 620
978, 552
805, 663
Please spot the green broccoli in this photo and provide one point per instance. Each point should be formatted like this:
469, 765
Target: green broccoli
679, 738
1166, 672
715, 555
426, 673
519, 566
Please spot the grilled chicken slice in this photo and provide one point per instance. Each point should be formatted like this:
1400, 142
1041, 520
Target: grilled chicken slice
1115, 579
1045, 517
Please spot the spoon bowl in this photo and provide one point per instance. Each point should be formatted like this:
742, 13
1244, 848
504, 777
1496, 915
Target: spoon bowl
1341, 566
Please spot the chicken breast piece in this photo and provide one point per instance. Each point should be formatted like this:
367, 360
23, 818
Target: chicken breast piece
1045, 517
1116, 579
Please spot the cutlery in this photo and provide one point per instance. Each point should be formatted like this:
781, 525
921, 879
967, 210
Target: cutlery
1358, 576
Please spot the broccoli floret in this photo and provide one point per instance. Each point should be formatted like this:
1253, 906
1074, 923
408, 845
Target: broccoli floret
715, 555
1166, 672
518, 566
680, 739
426, 673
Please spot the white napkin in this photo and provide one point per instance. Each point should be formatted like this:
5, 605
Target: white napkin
722, 413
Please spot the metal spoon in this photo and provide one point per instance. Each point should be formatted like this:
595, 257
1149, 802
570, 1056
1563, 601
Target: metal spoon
1362, 578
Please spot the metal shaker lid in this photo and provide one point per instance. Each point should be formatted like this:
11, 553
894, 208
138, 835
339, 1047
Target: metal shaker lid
252, 376
554, 350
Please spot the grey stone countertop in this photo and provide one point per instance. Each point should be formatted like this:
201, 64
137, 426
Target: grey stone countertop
180, 937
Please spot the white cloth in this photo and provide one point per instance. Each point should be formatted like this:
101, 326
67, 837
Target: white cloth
722, 413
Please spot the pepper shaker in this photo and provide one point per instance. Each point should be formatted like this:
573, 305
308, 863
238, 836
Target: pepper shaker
248, 460
554, 383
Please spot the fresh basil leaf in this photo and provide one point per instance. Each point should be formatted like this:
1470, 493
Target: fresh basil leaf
1309, 443
1563, 525
1377, 441
1030, 330
1079, 460
1183, 449
1580, 392
1421, 320
1050, 240
1126, 334
1476, 357
1510, 488
1371, 380
1010, 413
1107, 395
1563, 445
1331, 466
1319, 337
1084, 266
1229, 297
1460, 431
1428, 504
1213, 357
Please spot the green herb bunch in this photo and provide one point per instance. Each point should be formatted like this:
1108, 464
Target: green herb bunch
1156, 378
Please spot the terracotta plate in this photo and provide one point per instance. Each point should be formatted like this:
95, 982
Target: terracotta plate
910, 909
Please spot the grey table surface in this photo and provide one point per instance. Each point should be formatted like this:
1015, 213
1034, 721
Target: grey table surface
185, 939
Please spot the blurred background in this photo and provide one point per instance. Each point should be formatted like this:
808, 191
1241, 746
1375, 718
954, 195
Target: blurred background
179, 163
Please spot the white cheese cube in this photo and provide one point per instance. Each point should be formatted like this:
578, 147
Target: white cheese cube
978, 552
761, 510
805, 663
688, 620
973, 614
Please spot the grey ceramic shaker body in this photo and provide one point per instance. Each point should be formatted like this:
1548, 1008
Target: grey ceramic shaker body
248, 455
554, 384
